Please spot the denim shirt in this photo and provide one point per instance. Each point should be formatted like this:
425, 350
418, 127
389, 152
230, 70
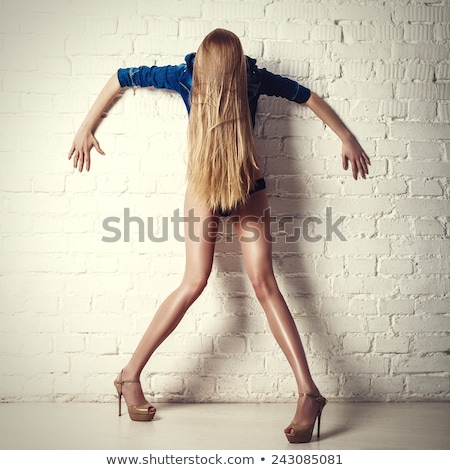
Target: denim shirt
179, 78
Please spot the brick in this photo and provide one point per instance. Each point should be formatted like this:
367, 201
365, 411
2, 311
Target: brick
367, 285
330, 266
365, 109
281, 9
360, 247
388, 385
357, 33
421, 13
326, 33
427, 169
419, 71
418, 32
359, 365
428, 286
419, 91
352, 89
200, 386
334, 305
386, 31
293, 31
93, 45
422, 207
355, 69
389, 71
396, 345
289, 50
442, 32
422, 111
345, 324
350, 11
392, 186
419, 51
417, 365
424, 150
263, 385
233, 10
443, 71
396, 266
392, 148
378, 325
356, 344
234, 366
421, 324
167, 384
38, 385
357, 386
425, 187
427, 384
432, 344
434, 305
394, 109
136, 24
361, 51
231, 345
444, 112
362, 266
235, 387
429, 227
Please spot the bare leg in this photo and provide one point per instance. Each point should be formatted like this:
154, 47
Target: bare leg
199, 259
257, 255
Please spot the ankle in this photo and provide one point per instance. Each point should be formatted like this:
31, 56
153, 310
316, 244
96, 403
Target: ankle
314, 391
130, 374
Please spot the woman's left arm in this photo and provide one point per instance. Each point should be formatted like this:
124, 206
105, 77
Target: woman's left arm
351, 149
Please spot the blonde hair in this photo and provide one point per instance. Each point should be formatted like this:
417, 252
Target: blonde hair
222, 152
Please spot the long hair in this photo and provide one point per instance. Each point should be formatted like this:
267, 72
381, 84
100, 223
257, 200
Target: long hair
222, 152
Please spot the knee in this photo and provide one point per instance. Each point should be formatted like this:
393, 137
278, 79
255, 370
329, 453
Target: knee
264, 285
194, 286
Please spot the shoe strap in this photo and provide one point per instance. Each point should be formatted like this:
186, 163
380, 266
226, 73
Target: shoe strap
130, 381
318, 398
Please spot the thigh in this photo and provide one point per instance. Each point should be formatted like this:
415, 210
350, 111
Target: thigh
200, 231
254, 233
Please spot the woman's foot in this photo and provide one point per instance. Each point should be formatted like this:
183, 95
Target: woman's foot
131, 391
309, 408
130, 388
306, 411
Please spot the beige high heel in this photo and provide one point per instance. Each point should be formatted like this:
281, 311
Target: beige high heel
144, 412
302, 433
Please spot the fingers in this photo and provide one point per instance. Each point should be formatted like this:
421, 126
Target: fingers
71, 152
81, 159
97, 147
359, 165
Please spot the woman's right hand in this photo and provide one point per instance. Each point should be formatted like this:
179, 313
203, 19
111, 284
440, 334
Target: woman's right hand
81, 149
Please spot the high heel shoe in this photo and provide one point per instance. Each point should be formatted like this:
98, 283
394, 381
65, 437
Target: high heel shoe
302, 433
144, 412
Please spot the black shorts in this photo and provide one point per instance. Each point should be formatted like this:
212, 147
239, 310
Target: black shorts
260, 184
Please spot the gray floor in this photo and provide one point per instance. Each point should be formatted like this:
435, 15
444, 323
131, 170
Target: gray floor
400, 426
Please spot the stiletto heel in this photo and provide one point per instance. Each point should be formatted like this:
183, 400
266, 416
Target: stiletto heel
145, 412
302, 433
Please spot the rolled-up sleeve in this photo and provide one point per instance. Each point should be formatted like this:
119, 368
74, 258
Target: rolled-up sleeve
283, 87
158, 77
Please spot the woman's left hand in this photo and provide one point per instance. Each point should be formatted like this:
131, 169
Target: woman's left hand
353, 152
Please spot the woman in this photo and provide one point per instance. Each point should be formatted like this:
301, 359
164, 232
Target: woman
220, 87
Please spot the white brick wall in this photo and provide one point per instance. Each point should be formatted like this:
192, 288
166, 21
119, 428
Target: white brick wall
373, 310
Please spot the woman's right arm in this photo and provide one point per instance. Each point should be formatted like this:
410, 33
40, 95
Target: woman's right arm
84, 139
